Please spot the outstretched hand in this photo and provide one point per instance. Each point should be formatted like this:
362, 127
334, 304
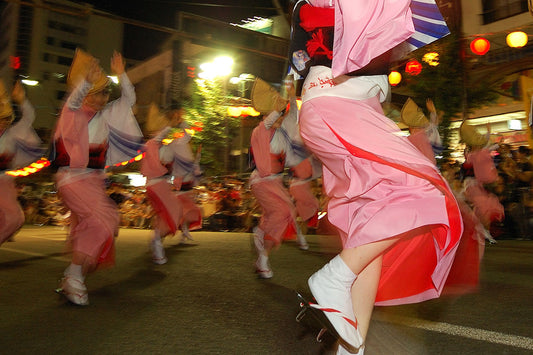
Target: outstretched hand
117, 63
430, 105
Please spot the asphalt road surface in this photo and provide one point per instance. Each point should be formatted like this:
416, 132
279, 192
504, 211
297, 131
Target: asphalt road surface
207, 300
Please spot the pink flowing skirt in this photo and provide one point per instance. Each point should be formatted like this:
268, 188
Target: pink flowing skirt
167, 208
380, 186
279, 213
11, 214
192, 214
95, 219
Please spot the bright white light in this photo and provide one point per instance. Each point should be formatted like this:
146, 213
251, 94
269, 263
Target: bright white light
514, 124
220, 66
113, 78
234, 80
137, 180
29, 82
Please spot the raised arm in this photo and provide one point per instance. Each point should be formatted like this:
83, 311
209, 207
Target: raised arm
118, 68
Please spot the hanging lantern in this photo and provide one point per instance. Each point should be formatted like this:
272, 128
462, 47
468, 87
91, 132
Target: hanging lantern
480, 46
516, 39
432, 58
413, 67
395, 78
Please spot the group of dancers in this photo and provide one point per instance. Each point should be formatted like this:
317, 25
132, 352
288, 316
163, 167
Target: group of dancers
400, 223
92, 133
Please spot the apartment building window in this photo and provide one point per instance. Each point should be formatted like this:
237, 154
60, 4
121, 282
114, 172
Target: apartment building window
63, 27
495, 10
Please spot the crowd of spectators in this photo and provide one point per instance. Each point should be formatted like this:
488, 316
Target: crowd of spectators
228, 204
514, 189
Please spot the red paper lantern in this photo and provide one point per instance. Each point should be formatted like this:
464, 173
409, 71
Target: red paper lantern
480, 46
413, 67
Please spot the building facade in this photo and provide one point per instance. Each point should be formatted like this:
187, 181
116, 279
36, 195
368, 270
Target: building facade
38, 40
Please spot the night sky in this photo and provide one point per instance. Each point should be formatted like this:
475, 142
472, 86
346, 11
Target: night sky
141, 43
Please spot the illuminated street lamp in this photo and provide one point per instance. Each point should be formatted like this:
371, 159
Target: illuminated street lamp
29, 82
219, 67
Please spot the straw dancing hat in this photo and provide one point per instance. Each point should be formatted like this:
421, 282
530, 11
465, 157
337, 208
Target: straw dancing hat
79, 68
471, 137
412, 115
6, 111
265, 98
155, 120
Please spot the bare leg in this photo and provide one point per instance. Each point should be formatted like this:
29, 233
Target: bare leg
364, 292
357, 259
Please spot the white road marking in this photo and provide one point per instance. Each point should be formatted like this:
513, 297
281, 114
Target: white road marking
462, 331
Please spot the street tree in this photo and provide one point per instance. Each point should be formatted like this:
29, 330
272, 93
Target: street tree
208, 105
448, 84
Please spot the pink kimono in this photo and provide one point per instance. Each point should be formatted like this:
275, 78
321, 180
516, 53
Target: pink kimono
304, 168
19, 146
86, 142
279, 213
185, 170
486, 205
167, 207
380, 186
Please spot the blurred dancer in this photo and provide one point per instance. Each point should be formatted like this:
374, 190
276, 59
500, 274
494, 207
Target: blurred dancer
19, 145
303, 166
464, 273
278, 218
398, 220
185, 173
91, 134
424, 133
480, 171
158, 167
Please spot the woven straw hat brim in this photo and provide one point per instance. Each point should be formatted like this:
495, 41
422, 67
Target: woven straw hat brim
78, 72
471, 137
412, 115
155, 120
265, 98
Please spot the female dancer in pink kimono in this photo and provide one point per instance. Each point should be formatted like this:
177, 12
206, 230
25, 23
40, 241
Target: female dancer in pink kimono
278, 219
90, 135
186, 172
479, 162
303, 166
19, 146
173, 211
398, 220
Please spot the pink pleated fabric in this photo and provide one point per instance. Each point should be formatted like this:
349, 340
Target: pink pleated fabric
366, 29
192, 214
279, 214
167, 208
380, 186
419, 139
306, 203
11, 214
486, 205
95, 218
464, 274
483, 164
